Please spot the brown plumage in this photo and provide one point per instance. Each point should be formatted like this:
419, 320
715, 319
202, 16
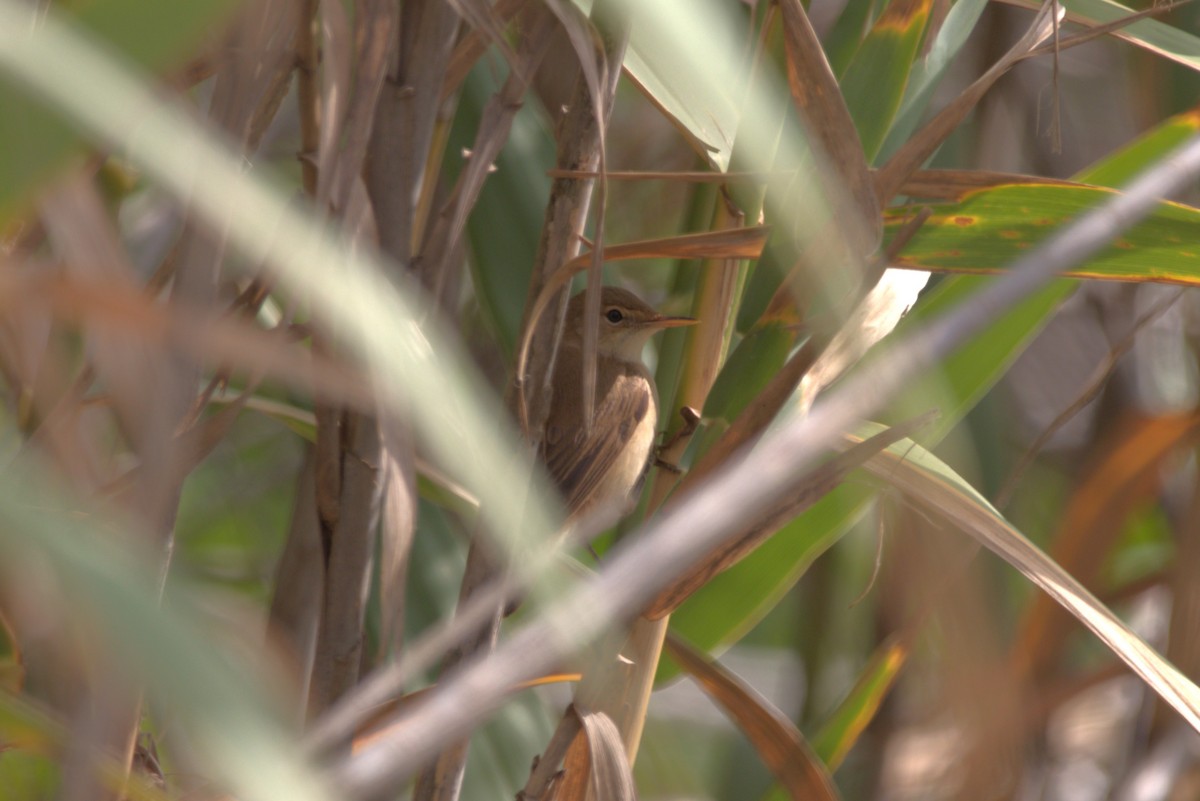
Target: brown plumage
604, 465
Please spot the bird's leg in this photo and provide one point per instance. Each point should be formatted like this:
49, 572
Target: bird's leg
691, 419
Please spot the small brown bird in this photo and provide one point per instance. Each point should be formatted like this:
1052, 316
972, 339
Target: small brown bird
604, 465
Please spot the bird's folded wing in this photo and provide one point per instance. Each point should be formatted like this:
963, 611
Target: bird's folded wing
581, 464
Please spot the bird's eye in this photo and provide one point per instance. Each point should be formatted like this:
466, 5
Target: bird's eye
614, 316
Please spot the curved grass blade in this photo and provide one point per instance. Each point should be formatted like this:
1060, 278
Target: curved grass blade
929, 483
733, 602
1093, 518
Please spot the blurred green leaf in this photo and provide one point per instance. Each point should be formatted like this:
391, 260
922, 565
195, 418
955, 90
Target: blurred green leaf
31, 745
874, 81
235, 507
24, 726
12, 675
35, 142
12, 672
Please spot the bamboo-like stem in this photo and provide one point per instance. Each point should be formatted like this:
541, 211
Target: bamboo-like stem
350, 450
309, 97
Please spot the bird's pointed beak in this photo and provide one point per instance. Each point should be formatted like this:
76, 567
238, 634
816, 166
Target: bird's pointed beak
671, 322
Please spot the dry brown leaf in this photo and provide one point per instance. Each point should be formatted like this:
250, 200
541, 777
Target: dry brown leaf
816, 94
778, 742
595, 768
